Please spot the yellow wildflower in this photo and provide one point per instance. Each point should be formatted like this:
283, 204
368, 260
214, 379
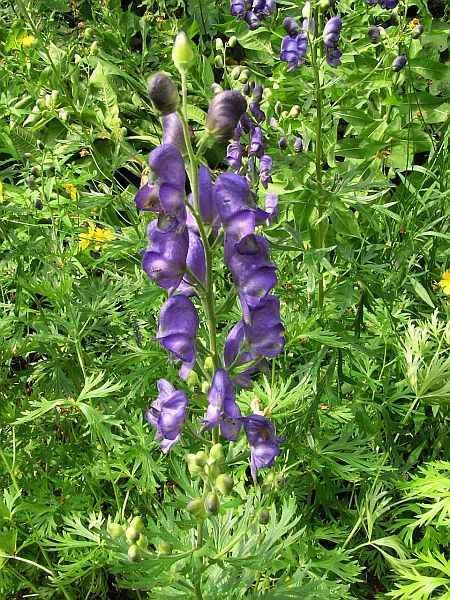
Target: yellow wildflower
95, 236
26, 41
71, 189
445, 283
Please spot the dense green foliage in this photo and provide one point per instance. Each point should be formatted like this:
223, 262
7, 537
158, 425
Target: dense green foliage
359, 499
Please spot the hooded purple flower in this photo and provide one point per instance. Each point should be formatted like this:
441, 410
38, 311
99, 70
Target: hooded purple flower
332, 32
195, 262
399, 63
291, 26
224, 112
271, 206
256, 143
235, 355
206, 199
167, 414
222, 408
167, 165
147, 198
234, 155
164, 261
253, 273
257, 92
293, 50
237, 8
333, 56
298, 144
173, 131
258, 114
264, 443
252, 20
263, 329
265, 170
264, 8
232, 193
177, 330
388, 4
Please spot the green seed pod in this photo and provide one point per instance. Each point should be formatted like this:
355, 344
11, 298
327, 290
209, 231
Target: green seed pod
219, 44
216, 453
131, 534
218, 61
138, 524
163, 93
224, 484
212, 503
235, 72
201, 458
115, 530
182, 52
194, 468
133, 553
232, 41
196, 508
264, 516
164, 547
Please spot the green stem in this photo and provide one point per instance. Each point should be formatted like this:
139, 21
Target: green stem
199, 540
10, 470
207, 297
315, 58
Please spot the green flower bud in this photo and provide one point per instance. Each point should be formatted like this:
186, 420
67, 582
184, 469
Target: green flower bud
219, 44
216, 453
93, 49
208, 365
306, 11
196, 508
218, 61
77, 59
192, 380
131, 534
243, 77
164, 547
182, 52
163, 93
205, 387
212, 503
295, 111
142, 542
138, 524
133, 553
235, 72
264, 516
224, 484
201, 458
115, 530
194, 468
324, 5
232, 41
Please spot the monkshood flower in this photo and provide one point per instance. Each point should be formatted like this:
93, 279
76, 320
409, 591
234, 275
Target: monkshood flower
332, 32
253, 273
222, 409
206, 199
164, 261
293, 50
238, 8
177, 330
256, 143
167, 414
173, 131
264, 443
258, 114
195, 263
147, 198
282, 143
257, 92
374, 34
271, 206
298, 144
388, 4
265, 170
234, 155
333, 56
399, 62
238, 218
167, 165
291, 26
252, 20
163, 93
264, 8
224, 112
234, 355
263, 327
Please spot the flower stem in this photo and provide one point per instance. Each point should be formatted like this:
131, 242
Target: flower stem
207, 297
315, 59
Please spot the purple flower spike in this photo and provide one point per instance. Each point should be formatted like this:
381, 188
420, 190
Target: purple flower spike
265, 169
177, 330
222, 408
234, 155
264, 330
167, 164
256, 143
147, 198
195, 262
291, 26
173, 131
167, 414
258, 114
332, 32
237, 8
264, 443
333, 56
252, 271
271, 206
164, 261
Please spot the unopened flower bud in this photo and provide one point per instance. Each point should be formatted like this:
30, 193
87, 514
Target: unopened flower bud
232, 41
77, 59
201, 458
133, 553
278, 107
182, 52
192, 380
218, 61
295, 111
212, 503
115, 530
219, 44
306, 11
374, 34
216, 452
196, 508
298, 145
205, 387
243, 77
324, 5
131, 534
164, 547
208, 365
282, 143
138, 524
163, 93
194, 468
224, 484
399, 62
235, 72
264, 516
142, 542
93, 49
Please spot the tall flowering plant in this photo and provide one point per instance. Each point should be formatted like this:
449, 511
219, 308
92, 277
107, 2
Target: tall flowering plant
182, 238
